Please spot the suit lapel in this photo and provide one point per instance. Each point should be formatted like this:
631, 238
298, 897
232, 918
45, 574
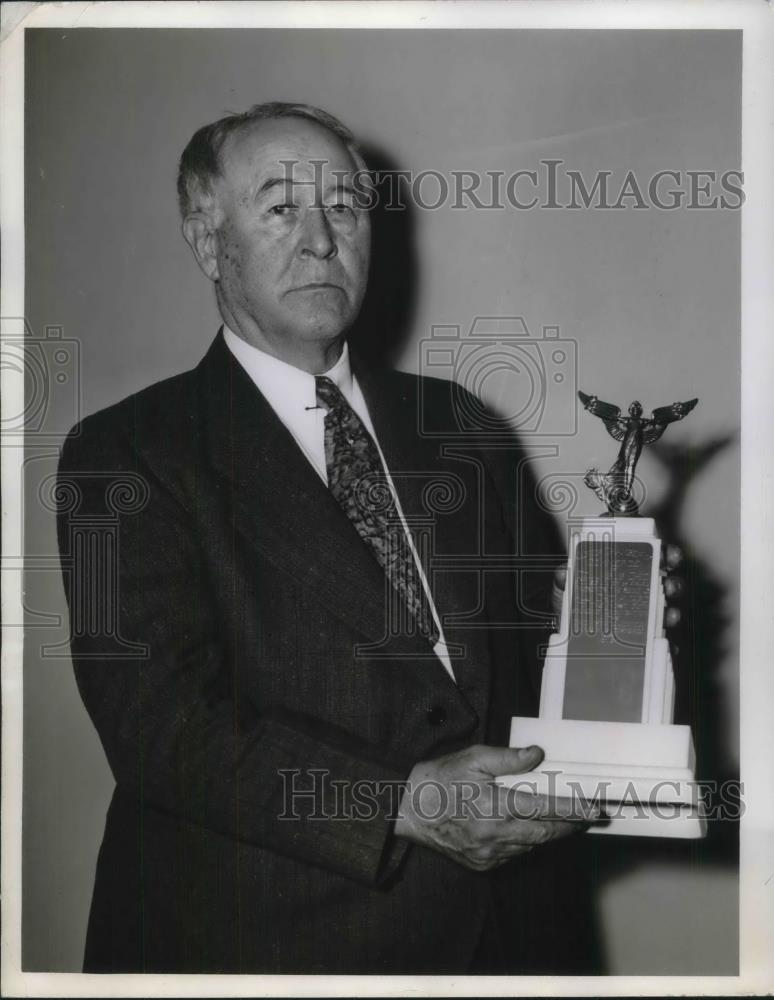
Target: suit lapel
282, 509
280, 506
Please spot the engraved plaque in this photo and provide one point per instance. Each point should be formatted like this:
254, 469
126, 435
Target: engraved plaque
607, 693
607, 641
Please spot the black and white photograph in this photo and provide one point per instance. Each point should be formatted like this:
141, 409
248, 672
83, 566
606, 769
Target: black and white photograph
386, 465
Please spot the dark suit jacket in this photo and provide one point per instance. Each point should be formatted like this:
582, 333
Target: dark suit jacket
230, 644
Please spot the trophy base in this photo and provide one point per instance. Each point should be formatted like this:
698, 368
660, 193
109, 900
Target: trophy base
643, 773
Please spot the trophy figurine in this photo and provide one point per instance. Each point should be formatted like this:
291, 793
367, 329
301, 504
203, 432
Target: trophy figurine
607, 694
614, 488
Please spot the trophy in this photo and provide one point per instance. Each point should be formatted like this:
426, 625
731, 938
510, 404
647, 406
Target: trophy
607, 694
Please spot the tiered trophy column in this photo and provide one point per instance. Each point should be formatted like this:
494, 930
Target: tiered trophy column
607, 697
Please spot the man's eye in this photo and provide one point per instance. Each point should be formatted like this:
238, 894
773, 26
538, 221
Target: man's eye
285, 209
339, 208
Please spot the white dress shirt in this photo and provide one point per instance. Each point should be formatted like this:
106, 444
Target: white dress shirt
292, 394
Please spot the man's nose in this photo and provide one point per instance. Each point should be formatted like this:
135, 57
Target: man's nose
317, 237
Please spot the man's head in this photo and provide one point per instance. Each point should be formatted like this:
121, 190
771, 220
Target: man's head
271, 210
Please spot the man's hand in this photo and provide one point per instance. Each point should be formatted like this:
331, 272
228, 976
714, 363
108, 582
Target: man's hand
672, 557
454, 806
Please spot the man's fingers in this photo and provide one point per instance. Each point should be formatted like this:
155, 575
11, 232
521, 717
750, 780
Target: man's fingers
518, 837
524, 804
489, 864
557, 591
673, 556
543, 831
672, 617
506, 760
673, 586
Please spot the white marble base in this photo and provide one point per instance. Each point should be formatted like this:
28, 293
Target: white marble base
644, 772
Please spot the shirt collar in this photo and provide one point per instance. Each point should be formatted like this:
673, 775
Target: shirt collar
286, 387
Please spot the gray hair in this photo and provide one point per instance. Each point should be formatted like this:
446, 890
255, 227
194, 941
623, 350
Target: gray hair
200, 163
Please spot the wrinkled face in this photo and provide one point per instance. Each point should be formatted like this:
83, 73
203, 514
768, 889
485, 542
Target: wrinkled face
293, 246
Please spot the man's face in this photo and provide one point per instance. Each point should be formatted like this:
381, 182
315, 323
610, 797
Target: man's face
293, 246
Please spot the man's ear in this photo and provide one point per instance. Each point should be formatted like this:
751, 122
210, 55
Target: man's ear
202, 237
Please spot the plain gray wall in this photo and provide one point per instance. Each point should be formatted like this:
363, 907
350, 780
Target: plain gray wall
651, 298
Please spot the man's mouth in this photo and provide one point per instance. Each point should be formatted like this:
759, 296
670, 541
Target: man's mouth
313, 286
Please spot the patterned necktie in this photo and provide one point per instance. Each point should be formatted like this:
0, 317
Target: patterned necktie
357, 480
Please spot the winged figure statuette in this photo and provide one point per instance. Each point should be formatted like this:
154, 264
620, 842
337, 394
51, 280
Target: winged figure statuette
614, 487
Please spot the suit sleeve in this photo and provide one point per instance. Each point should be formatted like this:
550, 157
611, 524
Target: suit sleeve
152, 672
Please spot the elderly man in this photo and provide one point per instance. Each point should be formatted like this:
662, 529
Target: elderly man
306, 737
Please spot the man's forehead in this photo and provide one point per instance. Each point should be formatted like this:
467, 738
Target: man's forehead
286, 148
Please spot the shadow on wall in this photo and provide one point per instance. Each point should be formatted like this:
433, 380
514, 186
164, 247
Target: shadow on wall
387, 314
700, 636
700, 639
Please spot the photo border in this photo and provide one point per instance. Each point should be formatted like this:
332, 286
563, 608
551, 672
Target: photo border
754, 19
